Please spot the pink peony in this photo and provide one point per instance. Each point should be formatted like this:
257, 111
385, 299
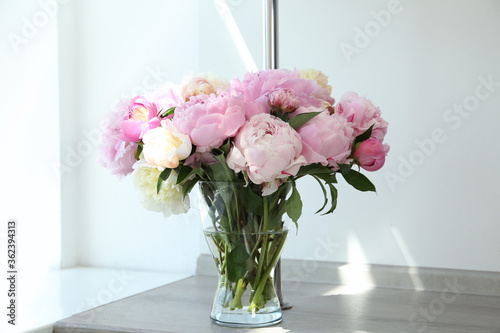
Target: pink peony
327, 139
362, 114
164, 97
268, 150
370, 155
256, 87
142, 116
288, 100
210, 120
116, 154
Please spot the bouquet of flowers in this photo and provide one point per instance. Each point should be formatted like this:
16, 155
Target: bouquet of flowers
263, 132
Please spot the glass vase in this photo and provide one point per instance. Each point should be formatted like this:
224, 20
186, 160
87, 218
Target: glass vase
246, 233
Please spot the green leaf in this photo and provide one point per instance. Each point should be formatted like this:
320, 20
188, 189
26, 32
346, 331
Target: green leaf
314, 169
294, 205
187, 173
301, 119
138, 152
167, 112
345, 168
237, 261
359, 181
226, 228
188, 185
362, 137
184, 173
334, 195
324, 193
277, 112
163, 176
328, 178
220, 172
276, 216
225, 147
252, 201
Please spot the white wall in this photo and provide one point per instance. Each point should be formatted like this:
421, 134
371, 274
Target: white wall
29, 135
441, 210
114, 49
440, 213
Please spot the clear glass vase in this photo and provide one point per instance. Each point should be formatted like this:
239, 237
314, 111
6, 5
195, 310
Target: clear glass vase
246, 233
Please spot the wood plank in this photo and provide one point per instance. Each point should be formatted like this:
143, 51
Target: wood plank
184, 306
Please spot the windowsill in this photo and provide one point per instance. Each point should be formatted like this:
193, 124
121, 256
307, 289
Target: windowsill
63, 293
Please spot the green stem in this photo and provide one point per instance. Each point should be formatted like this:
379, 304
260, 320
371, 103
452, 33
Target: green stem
224, 269
263, 251
224, 264
217, 245
236, 203
266, 274
240, 289
278, 193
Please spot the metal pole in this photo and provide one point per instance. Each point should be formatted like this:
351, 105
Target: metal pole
270, 38
270, 30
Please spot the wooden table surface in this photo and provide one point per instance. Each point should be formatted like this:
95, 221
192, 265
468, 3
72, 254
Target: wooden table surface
184, 306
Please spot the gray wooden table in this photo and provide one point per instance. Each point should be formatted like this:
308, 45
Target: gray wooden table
184, 306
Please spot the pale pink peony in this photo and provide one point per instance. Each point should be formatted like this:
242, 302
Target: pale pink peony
268, 150
142, 116
256, 88
210, 120
362, 114
327, 139
116, 154
165, 96
370, 155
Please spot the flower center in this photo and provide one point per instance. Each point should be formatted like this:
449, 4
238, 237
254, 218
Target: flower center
140, 113
175, 141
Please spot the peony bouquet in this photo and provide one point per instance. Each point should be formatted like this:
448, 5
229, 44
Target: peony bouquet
260, 134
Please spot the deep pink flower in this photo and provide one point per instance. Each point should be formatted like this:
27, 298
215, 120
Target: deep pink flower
116, 154
327, 139
370, 155
141, 117
268, 150
362, 114
210, 120
284, 100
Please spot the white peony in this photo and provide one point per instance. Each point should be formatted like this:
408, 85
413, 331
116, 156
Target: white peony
202, 83
165, 146
169, 200
318, 76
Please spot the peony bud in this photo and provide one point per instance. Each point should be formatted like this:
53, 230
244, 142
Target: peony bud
370, 154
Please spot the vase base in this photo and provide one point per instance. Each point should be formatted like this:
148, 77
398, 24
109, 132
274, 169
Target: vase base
249, 321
